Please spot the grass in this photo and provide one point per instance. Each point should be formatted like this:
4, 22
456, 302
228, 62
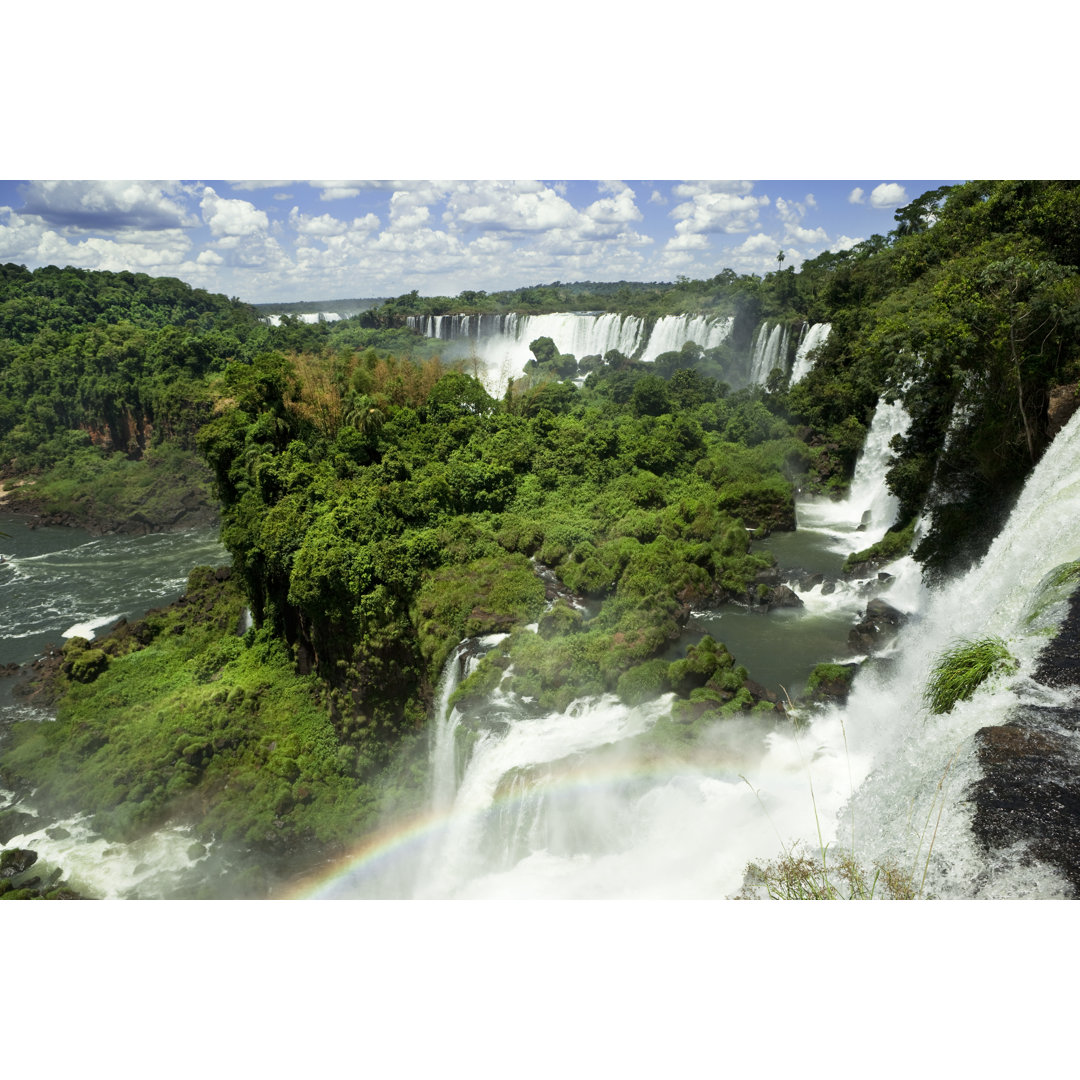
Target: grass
961, 669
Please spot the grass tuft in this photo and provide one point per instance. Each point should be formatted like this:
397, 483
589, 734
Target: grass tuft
962, 668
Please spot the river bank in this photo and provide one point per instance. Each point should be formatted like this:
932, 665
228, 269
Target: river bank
167, 488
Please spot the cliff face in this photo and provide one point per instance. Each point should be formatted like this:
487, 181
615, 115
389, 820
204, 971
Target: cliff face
1029, 792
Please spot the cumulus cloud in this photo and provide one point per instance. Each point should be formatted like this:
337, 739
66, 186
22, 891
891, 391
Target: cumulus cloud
511, 206
885, 196
857, 196
232, 217
846, 243
716, 211
108, 204
806, 236
323, 225
616, 210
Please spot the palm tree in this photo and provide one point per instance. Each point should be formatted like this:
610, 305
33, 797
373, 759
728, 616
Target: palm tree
780, 257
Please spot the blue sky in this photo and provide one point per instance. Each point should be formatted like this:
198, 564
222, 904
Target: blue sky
330, 239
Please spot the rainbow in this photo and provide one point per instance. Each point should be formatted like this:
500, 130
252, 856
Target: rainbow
399, 844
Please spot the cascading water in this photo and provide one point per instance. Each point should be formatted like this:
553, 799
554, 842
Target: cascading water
769, 351
867, 513
804, 354
671, 332
500, 343
581, 804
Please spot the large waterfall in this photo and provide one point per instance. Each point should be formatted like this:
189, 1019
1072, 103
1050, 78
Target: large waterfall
573, 804
499, 344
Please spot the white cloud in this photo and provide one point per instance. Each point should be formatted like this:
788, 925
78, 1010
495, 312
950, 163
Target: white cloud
811, 202
656, 197
758, 243
232, 217
806, 236
857, 196
717, 211
514, 206
619, 209
845, 243
323, 225
258, 185
690, 190
687, 242
888, 195
108, 205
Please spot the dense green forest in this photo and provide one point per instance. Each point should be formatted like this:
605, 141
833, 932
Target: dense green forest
379, 505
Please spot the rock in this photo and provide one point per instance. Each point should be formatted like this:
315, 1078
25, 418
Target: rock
783, 597
1064, 401
828, 588
831, 682
769, 576
16, 823
879, 625
16, 861
808, 582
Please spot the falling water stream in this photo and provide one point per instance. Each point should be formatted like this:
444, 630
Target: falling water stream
575, 804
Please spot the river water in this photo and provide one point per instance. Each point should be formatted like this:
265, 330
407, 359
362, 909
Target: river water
58, 582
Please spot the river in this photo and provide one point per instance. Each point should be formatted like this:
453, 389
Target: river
56, 582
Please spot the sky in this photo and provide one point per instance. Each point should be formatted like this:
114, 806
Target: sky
282, 240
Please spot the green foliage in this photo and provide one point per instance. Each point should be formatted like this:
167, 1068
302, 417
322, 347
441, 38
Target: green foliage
961, 669
895, 544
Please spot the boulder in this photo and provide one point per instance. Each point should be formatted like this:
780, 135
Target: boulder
16, 823
783, 597
878, 626
16, 861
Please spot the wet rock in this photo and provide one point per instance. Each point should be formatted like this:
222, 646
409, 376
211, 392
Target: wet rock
1029, 791
878, 626
16, 823
16, 861
831, 682
828, 588
808, 581
769, 576
1064, 401
783, 597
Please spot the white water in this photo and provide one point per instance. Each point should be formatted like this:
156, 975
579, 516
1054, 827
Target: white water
671, 332
804, 360
500, 344
870, 508
307, 317
769, 351
570, 805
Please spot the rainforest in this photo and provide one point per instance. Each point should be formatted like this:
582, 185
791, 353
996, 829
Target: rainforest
746, 586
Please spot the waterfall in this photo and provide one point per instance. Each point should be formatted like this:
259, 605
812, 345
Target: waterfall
769, 351
867, 513
671, 332
499, 344
804, 359
913, 751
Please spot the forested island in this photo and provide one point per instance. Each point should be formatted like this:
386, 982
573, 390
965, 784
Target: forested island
381, 503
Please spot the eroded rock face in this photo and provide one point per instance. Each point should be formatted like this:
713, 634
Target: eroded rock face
1029, 792
1064, 401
